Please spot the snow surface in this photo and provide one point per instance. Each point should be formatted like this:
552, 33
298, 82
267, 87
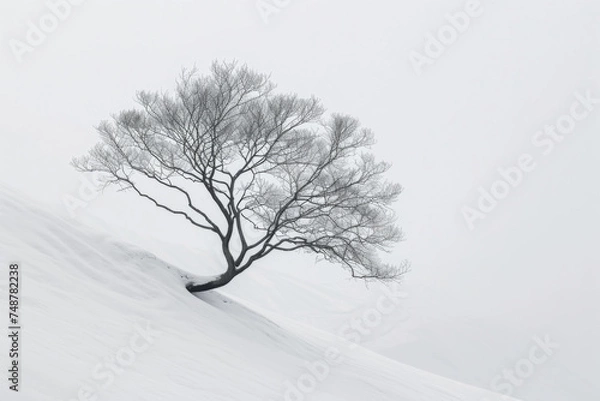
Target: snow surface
87, 297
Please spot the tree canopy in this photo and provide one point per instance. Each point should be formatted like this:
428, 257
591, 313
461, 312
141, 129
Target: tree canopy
262, 171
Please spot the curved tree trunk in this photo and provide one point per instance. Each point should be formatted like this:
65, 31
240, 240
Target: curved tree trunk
207, 286
221, 280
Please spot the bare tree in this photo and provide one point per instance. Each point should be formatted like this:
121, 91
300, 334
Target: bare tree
262, 171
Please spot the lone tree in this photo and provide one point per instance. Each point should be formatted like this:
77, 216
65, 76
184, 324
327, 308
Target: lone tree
262, 171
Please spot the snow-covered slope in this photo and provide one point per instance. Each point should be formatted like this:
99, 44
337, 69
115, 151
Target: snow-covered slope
107, 321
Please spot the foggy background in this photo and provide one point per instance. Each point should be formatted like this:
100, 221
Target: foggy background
530, 268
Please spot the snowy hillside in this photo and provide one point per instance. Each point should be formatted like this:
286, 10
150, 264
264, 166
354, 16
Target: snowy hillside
106, 321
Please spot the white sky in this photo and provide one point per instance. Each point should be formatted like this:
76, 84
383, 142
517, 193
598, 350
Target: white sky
447, 131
